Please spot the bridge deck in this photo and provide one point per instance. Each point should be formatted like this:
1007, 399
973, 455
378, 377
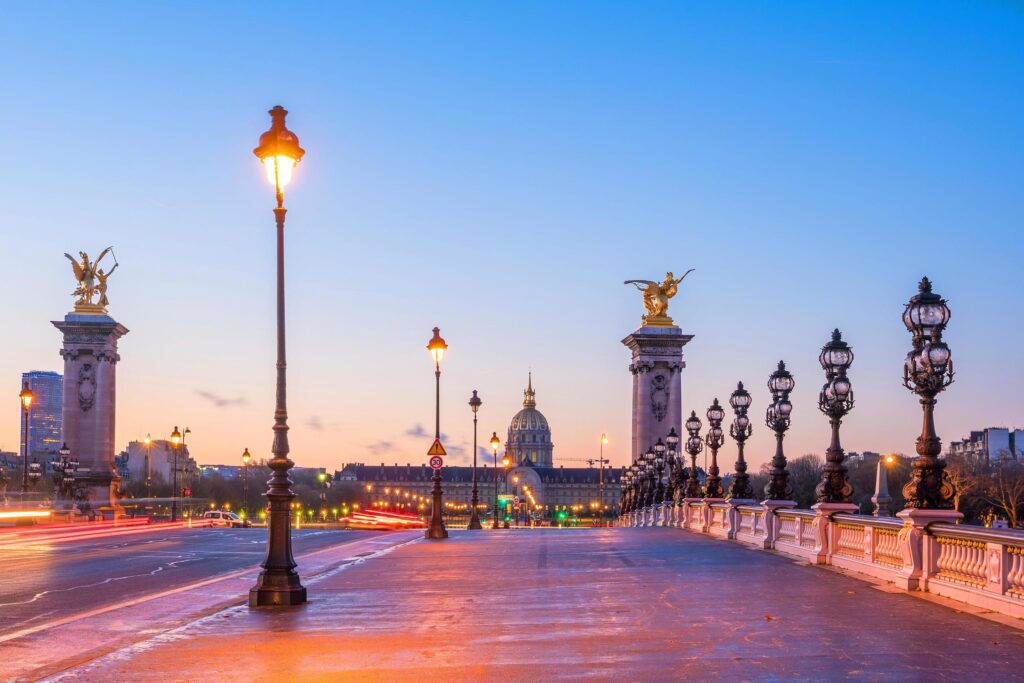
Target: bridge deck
605, 603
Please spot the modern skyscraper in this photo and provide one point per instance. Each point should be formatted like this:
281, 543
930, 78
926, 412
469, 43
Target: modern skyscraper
45, 433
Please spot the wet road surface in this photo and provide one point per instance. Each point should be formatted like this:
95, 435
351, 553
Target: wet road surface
42, 582
607, 604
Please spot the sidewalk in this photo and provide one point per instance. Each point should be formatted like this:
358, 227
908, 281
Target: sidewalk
566, 604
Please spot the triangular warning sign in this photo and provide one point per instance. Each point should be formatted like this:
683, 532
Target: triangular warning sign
436, 448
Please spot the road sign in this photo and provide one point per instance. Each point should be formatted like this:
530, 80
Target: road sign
436, 462
437, 449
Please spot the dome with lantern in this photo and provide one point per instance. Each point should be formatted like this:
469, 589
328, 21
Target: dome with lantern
529, 436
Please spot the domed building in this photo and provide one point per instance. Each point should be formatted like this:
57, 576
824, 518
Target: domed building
529, 436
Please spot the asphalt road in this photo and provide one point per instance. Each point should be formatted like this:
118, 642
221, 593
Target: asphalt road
44, 581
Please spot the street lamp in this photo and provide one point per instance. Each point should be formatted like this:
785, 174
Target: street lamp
495, 443
177, 443
714, 440
740, 431
148, 441
278, 583
26, 403
474, 516
927, 371
675, 468
437, 346
777, 417
882, 500
64, 473
246, 459
835, 401
694, 445
506, 463
659, 491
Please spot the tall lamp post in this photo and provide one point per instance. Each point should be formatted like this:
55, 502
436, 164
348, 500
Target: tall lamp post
26, 403
835, 401
740, 431
437, 346
714, 440
474, 516
600, 474
148, 442
177, 443
278, 583
246, 459
927, 371
495, 443
780, 383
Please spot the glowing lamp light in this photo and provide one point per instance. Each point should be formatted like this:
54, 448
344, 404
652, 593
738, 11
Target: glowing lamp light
175, 436
26, 396
437, 346
246, 457
495, 442
279, 150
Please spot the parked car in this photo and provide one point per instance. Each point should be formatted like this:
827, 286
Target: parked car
225, 518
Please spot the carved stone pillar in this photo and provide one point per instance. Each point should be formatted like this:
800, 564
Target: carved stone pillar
90, 359
657, 362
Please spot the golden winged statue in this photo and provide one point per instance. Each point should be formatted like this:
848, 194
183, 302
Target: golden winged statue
656, 296
92, 280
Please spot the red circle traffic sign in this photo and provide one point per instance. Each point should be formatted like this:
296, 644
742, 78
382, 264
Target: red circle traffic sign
436, 462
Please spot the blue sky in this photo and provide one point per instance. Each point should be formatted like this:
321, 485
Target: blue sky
499, 170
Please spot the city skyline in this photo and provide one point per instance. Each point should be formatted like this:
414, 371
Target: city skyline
811, 174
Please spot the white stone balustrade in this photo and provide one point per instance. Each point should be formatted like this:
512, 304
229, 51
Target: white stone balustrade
975, 565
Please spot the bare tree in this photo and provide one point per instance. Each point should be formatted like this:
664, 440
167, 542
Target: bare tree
804, 473
1006, 492
966, 476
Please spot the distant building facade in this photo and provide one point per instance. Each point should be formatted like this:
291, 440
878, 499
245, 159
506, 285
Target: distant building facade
45, 432
154, 460
993, 445
532, 476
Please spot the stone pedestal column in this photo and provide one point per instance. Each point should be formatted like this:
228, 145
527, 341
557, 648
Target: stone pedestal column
657, 401
917, 564
90, 358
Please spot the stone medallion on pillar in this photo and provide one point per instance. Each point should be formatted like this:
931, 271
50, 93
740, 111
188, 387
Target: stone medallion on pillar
90, 359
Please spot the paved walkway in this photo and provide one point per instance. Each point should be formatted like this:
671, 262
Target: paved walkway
611, 604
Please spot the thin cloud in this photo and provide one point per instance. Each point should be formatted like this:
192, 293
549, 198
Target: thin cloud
220, 401
315, 423
380, 447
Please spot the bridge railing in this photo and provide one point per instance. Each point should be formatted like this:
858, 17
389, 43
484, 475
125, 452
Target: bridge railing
976, 565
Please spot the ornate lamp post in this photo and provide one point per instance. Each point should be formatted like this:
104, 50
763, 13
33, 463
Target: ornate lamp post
927, 371
246, 460
64, 473
495, 443
740, 430
474, 516
673, 480
714, 440
694, 445
437, 346
506, 463
659, 491
835, 401
780, 383
278, 582
177, 442
26, 403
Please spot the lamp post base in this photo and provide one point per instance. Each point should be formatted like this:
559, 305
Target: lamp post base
284, 591
436, 531
474, 521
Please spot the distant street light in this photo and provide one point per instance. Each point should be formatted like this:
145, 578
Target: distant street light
780, 383
927, 371
26, 403
437, 346
246, 459
148, 441
495, 443
694, 445
882, 500
474, 516
177, 443
714, 440
740, 431
278, 583
835, 401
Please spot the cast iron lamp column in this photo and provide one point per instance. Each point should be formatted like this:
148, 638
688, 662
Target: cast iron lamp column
495, 443
694, 445
835, 401
278, 583
714, 440
659, 491
780, 383
673, 489
176, 438
437, 346
740, 431
927, 371
26, 403
474, 517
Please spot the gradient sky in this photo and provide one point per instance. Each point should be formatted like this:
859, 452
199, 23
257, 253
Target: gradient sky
498, 170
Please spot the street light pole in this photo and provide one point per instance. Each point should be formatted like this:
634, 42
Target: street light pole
474, 517
26, 403
714, 440
278, 584
246, 459
495, 442
437, 347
